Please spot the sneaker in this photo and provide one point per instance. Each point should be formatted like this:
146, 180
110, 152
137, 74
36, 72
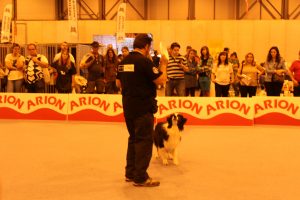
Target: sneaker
128, 179
148, 183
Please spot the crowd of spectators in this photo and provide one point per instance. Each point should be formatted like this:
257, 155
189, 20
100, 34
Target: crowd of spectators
191, 74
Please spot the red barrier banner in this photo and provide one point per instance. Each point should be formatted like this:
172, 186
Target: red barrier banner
208, 111
94, 107
108, 108
277, 110
33, 106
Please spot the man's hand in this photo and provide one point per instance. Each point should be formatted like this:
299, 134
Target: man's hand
164, 60
34, 59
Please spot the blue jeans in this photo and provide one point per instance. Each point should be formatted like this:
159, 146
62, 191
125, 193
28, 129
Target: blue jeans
204, 83
14, 85
178, 85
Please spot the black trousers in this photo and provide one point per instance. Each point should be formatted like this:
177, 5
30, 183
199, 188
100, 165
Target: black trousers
273, 88
37, 87
247, 90
189, 91
221, 90
297, 91
140, 143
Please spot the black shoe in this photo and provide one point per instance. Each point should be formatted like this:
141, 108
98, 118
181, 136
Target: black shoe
148, 183
128, 179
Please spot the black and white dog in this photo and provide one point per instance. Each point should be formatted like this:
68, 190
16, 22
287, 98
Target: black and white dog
167, 136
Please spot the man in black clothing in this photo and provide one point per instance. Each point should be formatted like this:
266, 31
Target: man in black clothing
137, 77
156, 59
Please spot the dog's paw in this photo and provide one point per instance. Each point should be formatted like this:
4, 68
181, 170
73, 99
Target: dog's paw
165, 162
170, 156
176, 162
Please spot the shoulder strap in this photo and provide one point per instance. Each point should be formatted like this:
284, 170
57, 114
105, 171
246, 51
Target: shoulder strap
242, 68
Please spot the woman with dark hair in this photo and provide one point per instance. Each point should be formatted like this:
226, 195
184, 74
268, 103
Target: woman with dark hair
66, 70
295, 75
204, 68
235, 66
248, 74
222, 75
275, 72
111, 64
190, 76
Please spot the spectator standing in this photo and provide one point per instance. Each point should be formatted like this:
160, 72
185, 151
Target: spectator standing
222, 75
94, 62
15, 64
64, 46
177, 65
3, 77
156, 59
111, 64
295, 76
248, 74
33, 73
275, 72
65, 73
235, 66
190, 76
205, 66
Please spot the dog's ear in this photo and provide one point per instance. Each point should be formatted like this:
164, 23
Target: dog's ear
181, 122
169, 120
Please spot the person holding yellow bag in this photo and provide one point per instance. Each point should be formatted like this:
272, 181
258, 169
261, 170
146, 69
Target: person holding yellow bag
248, 74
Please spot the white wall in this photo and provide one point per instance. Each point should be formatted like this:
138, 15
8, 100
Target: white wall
36, 10
131, 14
157, 9
240, 35
2, 5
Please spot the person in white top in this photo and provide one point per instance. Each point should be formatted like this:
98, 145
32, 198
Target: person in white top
15, 64
64, 46
222, 75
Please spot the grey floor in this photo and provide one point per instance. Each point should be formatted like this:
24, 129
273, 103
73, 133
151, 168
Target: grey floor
85, 161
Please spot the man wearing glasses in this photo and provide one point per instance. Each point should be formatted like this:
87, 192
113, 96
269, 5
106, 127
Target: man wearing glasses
34, 64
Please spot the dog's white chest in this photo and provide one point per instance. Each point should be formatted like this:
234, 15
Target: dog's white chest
174, 138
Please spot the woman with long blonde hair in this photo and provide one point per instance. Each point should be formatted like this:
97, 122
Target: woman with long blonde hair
248, 74
65, 70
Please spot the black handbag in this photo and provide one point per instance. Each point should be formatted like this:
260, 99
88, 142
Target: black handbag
278, 78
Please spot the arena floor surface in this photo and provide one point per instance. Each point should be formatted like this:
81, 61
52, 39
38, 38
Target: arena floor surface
49, 160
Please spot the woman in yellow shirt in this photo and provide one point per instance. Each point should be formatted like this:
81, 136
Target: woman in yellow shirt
248, 73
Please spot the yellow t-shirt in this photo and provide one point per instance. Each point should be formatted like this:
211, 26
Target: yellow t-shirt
252, 72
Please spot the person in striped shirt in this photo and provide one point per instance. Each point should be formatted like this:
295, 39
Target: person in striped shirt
177, 65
